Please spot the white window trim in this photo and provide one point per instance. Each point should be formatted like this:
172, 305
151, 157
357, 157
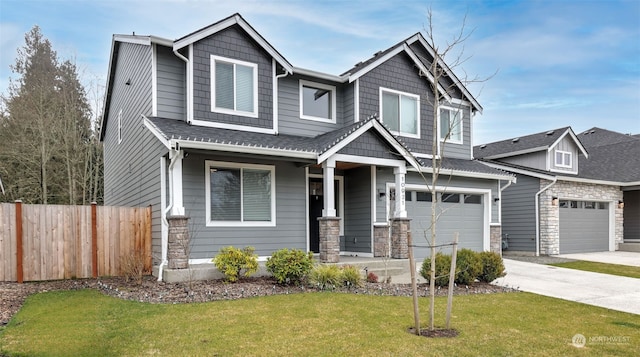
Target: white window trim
254, 113
232, 165
562, 164
414, 96
120, 126
331, 89
450, 140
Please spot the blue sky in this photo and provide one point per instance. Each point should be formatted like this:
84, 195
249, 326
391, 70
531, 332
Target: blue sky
559, 62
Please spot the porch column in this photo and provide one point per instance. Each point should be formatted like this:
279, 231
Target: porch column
328, 169
400, 227
175, 172
400, 209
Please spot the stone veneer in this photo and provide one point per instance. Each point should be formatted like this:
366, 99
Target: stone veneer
564, 190
495, 239
381, 240
329, 239
399, 245
178, 242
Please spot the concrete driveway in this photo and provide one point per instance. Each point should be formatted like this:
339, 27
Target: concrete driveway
617, 257
609, 291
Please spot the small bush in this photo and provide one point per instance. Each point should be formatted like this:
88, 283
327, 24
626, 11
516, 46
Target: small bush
372, 277
290, 266
351, 276
443, 267
326, 276
468, 266
132, 266
231, 261
492, 267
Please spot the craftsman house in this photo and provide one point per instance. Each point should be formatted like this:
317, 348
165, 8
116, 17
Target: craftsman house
227, 140
574, 192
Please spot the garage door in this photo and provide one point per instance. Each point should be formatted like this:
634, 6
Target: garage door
459, 212
584, 226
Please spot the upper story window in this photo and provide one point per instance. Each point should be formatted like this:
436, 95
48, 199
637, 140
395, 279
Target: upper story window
451, 125
400, 112
317, 101
234, 86
240, 194
563, 159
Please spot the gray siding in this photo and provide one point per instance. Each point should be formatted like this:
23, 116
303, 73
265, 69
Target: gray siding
232, 43
536, 160
464, 150
132, 167
348, 113
171, 84
290, 229
369, 144
357, 207
631, 215
399, 73
566, 144
289, 121
519, 213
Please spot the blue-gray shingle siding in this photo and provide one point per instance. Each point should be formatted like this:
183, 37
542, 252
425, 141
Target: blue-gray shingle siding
357, 207
171, 84
519, 213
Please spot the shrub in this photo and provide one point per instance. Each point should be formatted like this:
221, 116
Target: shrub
290, 266
468, 266
492, 267
351, 276
231, 261
443, 267
326, 276
372, 277
132, 266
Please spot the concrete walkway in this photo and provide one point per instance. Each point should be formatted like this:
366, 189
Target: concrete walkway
609, 291
617, 257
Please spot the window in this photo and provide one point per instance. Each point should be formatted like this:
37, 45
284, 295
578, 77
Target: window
451, 125
563, 158
451, 197
407, 196
400, 112
603, 205
317, 101
422, 196
240, 194
120, 126
475, 199
234, 86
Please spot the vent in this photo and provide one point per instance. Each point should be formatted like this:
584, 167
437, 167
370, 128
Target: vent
550, 132
515, 140
357, 64
483, 146
377, 53
592, 131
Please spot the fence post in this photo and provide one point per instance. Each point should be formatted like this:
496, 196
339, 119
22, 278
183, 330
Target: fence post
94, 240
19, 253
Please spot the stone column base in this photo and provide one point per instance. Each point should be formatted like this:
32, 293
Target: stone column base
177, 254
399, 245
495, 239
329, 239
381, 240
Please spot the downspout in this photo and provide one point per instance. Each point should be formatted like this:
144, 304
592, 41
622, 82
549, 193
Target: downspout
537, 197
173, 154
276, 77
189, 84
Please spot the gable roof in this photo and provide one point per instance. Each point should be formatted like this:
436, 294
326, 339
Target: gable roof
361, 68
525, 144
235, 19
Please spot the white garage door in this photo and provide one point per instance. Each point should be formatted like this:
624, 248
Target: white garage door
584, 226
459, 212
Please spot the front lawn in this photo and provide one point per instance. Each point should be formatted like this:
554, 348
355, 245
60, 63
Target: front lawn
88, 323
613, 269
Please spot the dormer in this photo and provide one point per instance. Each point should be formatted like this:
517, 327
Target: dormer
231, 76
555, 151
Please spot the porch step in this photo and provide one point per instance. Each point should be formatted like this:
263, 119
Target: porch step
629, 247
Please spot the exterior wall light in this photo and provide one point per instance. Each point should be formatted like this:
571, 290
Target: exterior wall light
621, 204
554, 201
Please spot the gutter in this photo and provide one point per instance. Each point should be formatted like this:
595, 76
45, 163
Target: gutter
174, 156
537, 198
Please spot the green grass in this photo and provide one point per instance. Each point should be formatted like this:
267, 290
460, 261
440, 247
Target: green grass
613, 269
87, 323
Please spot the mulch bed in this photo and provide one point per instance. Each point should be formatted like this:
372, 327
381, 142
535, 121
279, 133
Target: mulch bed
12, 295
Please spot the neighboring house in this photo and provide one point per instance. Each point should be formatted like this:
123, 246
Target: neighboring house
574, 193
219, 127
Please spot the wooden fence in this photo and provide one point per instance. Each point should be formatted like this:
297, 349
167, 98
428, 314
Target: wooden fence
50, 242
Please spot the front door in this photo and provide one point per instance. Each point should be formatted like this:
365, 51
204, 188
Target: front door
316, 204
